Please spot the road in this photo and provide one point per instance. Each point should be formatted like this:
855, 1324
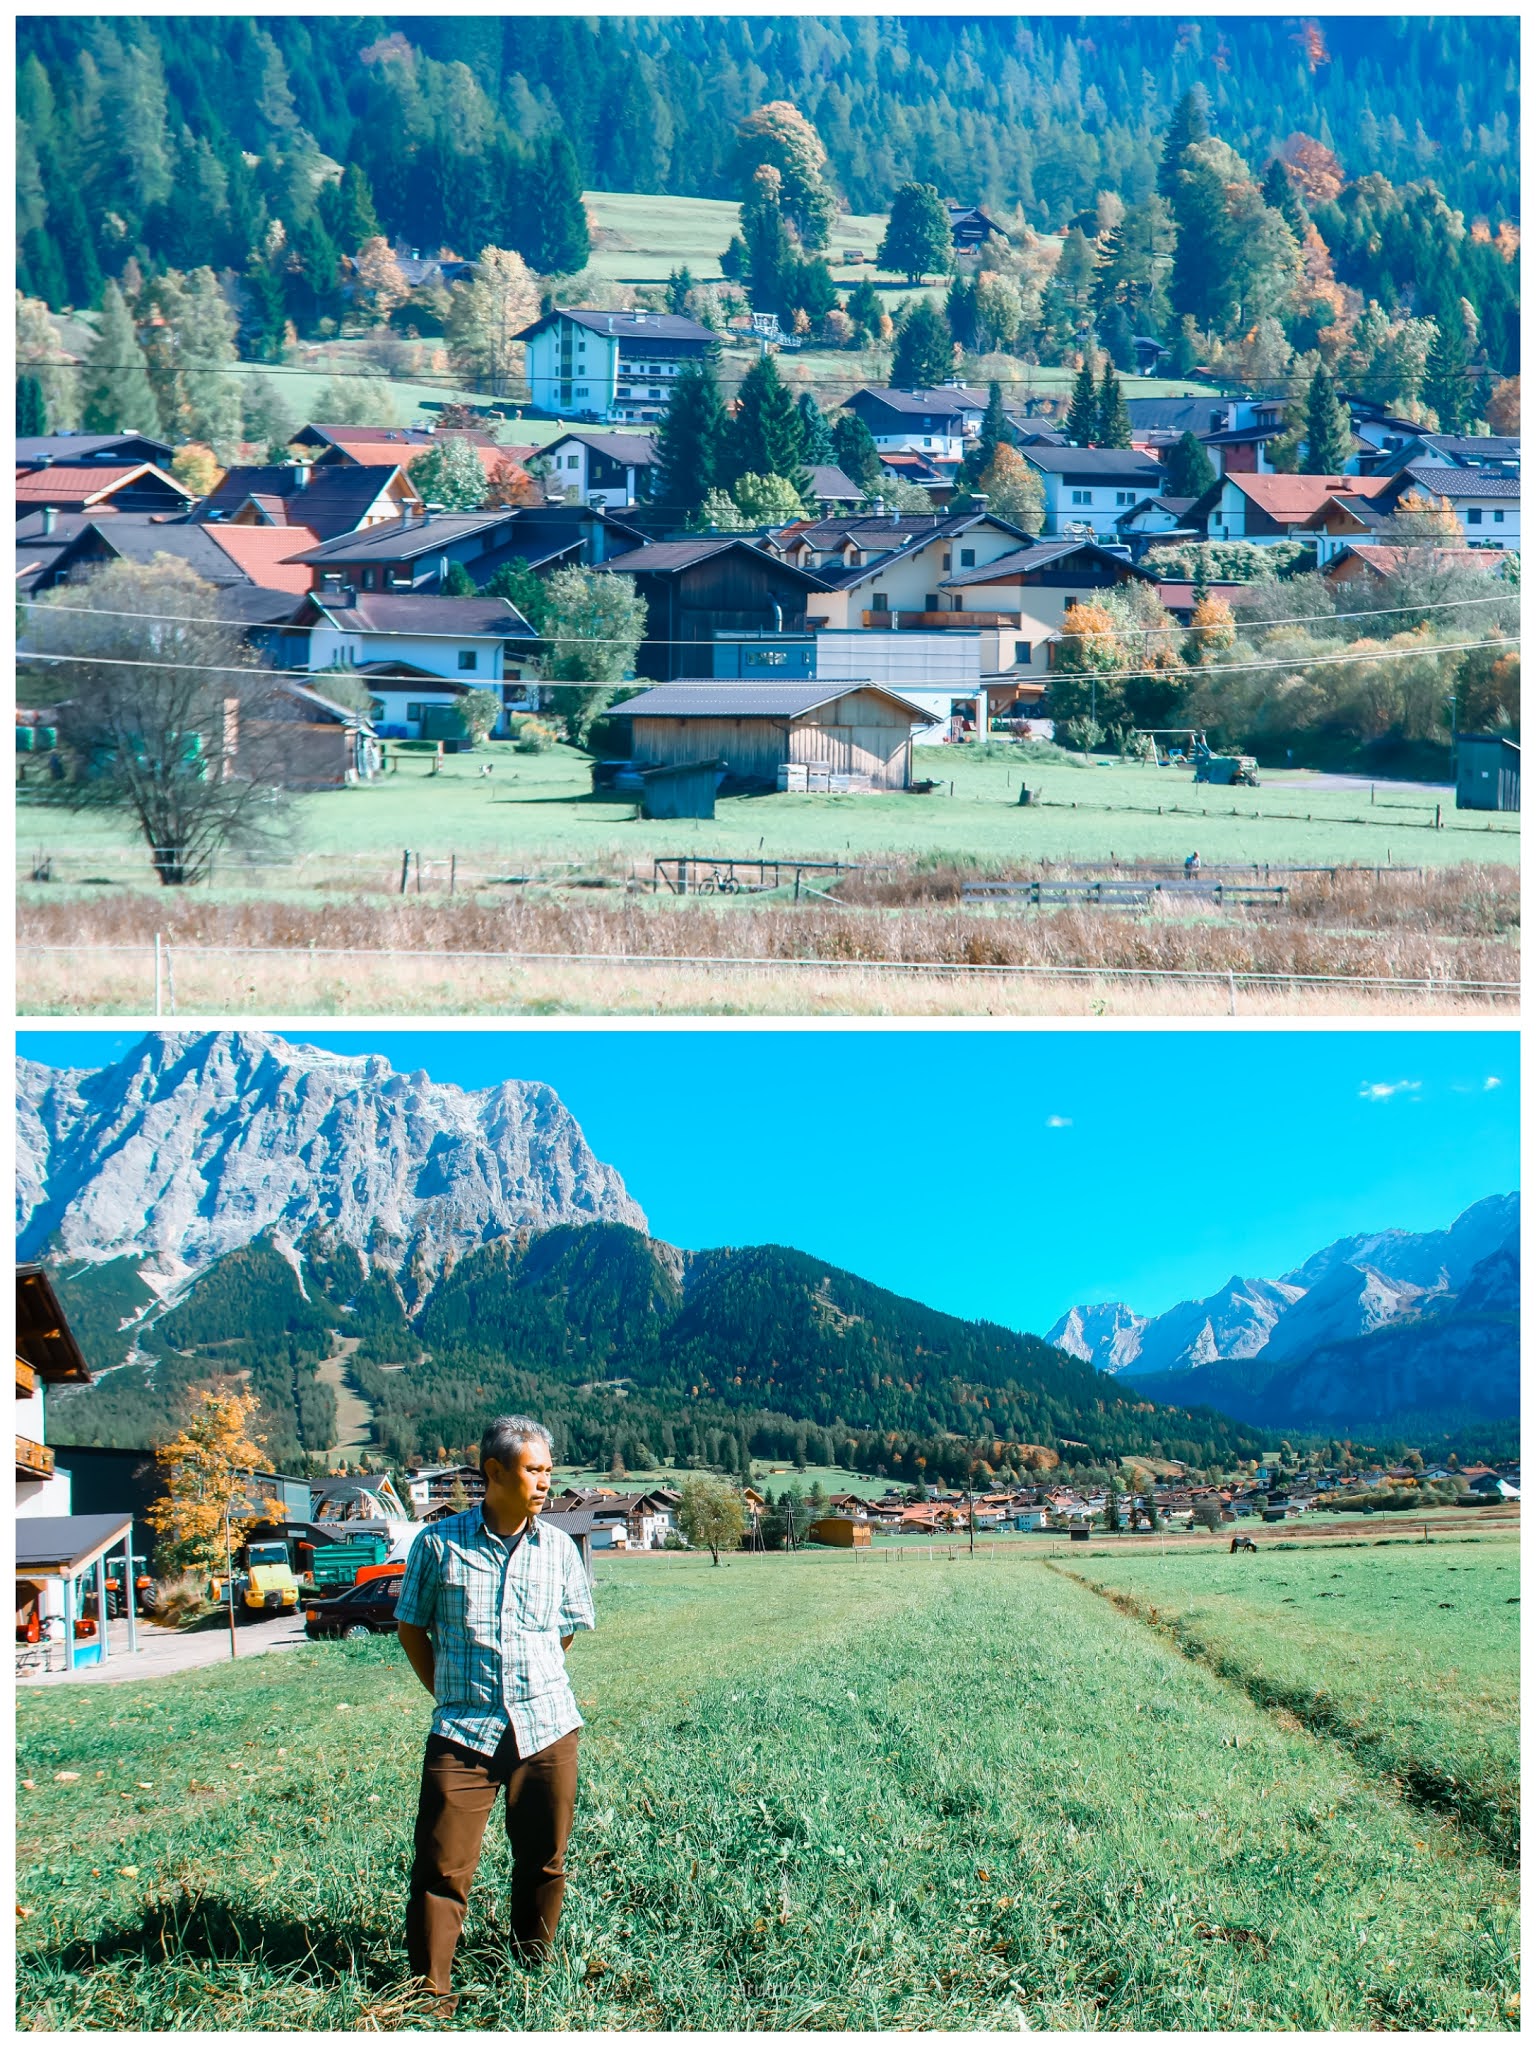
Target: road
162, 1652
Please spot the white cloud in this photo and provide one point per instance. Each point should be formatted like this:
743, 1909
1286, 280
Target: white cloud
1493, 1081
1383, 1091
1058, 1123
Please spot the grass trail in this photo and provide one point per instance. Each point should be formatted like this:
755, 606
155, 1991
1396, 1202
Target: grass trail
1413, 1661
816, 1793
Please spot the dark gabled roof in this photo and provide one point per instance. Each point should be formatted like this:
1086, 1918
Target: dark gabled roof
947, 399
1177, 506
707, 697
1176, 415
249, 604
829, 482
91, 448
1442, 482
332, 501
868, 528
1237, 437
638, 451
1103, 464
401, 540
426, 616
343, 714
136, 536
43, 1336
627, 326
670, 557
1471, 449
1024, 560
961, 522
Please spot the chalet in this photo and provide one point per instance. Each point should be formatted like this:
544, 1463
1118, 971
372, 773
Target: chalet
889, 571
1274, 508
416, 554
1389, 434
327, 499
1087, 489
1024, 595
35, 449
1238, 448
98, 487
936, 423
970, 226
1486, 504
222, 555
854, 730
360, 1497
372, 447
934, 474
1345, 519
464, 639
61, 1556
585, 363
694, 589
610, 470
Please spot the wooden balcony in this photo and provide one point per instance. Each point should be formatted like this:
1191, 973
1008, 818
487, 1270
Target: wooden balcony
26, 1380
942, 622
33, 1461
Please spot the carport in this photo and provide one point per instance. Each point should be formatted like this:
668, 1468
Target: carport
73, 1549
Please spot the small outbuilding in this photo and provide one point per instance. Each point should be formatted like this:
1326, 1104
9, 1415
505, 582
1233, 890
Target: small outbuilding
840, 1531
857, 730
1487, 772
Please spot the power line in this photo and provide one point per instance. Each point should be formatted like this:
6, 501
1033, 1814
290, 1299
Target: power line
714, 682
1511, 596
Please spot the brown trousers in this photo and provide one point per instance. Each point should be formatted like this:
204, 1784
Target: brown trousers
458, 1790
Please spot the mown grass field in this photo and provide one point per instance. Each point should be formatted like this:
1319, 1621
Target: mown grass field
539, 808
818, 1792
1413, 1664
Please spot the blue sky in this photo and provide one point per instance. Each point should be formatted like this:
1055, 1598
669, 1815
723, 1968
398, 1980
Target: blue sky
1007, 1175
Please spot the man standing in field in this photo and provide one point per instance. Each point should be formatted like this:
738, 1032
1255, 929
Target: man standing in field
488, 1608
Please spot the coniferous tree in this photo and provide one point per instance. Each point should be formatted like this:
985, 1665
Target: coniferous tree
865, 306
1447, 382
925, 350
31, 408
1083, 413
557, 217
1114, 429
1206, 266
1330, 435
1279, 192
815, 435
1188, 470
679, 285
690, 439
118, 396
1117, 336
770, 255
855, 450
765, 437
1190, 123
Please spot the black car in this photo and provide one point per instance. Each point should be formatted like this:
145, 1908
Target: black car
365, 1610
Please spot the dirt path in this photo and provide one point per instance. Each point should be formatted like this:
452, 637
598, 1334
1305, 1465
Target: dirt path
354, 1415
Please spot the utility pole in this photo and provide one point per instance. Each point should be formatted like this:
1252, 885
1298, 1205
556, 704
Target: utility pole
229, 1583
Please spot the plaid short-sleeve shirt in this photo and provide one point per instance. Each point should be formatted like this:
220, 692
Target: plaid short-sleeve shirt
496, 1613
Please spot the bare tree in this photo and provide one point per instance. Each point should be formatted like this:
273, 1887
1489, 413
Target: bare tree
164, 715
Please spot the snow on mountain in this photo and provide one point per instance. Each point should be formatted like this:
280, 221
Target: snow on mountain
1347, 1302
1107, 1335
194, 1143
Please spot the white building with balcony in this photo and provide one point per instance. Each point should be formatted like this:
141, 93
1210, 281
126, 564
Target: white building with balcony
584, 364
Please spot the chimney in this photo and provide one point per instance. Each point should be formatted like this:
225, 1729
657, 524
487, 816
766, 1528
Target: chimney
50, 518
979, 499
299, 473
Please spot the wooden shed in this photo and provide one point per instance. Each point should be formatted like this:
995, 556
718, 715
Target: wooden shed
856, 729
840, 1531
1487, 772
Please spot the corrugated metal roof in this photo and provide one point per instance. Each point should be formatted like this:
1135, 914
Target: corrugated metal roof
707, 697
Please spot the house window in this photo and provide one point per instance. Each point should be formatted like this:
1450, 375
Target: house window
879, 602
1125, 498
573, 462
1475, 516
1082, 497
415, 713
927, 440
468, 658
931, 601
1498, 518
1021, 654
367, 579
967, 558
946, 565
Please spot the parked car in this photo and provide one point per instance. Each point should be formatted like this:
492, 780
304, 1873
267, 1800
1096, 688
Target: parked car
362, 1610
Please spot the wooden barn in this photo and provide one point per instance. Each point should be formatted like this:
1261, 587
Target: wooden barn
840, 1531
695, 590
855, 729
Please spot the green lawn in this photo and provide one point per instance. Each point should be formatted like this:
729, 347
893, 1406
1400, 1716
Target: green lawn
817, 1792
1410, 1656
538, 810
657, 233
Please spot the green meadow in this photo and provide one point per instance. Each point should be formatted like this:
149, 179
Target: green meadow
818, 1791
539, 809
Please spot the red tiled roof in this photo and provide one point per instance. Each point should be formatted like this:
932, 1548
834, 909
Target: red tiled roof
1289, 499
263, 552
81, 483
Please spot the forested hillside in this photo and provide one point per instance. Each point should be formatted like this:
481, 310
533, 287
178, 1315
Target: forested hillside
630, 1348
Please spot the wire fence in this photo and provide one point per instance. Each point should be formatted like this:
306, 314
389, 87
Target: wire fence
159, 956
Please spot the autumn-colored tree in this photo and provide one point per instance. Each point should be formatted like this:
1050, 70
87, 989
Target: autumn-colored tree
1013, 490
1211, 629
1504, 407
195, 465
380, 281
1085, 682
508, 483
489, 313
1421, 517
1314, 166
206, 1506
779, 134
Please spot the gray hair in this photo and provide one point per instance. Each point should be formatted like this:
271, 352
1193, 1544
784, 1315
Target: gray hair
506, 1436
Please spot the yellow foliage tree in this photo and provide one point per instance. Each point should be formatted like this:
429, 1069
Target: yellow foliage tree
380, 278
206, 1473
195, 465
1504, 406
1425, 518
1211, 629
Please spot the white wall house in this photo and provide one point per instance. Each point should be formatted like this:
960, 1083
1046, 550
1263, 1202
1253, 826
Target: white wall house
582, 363
419, 653
1087, 490
608, 470
937, 423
